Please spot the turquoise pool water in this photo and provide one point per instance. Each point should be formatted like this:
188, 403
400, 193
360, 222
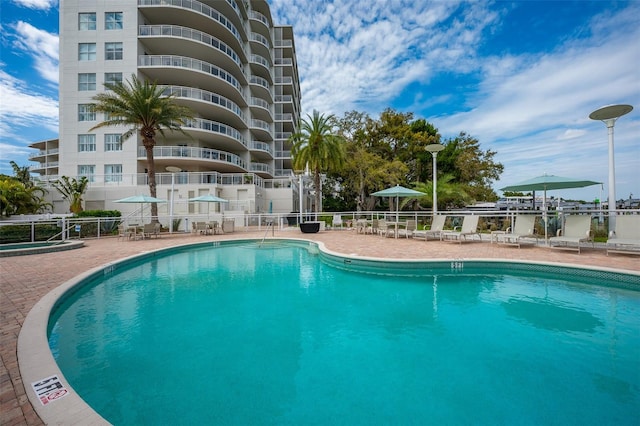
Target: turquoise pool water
242, 335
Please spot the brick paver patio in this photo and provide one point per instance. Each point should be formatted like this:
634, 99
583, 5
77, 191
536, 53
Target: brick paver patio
26, 279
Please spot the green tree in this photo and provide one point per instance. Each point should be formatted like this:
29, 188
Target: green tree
72, 190
317, 146
450, 194
22, 174
16, 198
146, 110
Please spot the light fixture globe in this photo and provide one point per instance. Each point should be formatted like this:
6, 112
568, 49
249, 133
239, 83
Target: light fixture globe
610, 111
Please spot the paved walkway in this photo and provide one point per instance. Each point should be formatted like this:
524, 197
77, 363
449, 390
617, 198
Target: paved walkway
26, 279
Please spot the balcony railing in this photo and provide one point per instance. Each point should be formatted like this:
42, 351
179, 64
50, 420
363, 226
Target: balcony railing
261, 124
261, 167
283, 43
260, 17
260, 60
42, 153
284, 80
283, 61
260, 103
196, 153
262, 146
284, 117
201, 8
190, 34
260, 39
204, 95
189, 63
284, 98
260, 81
216, 127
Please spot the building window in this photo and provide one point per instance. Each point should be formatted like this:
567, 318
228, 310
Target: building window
86, 82
87, 52
112, 51
87, 21
88, 170
86, 143
86, 112
112, 78
113, 21
112, 142
113, 172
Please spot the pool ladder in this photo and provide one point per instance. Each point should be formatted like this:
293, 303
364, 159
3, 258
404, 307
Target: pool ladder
269, 225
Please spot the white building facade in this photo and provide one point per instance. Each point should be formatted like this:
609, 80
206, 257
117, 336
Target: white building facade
225, 59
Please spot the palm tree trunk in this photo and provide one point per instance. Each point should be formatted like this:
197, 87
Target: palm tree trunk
316, 184
151, 176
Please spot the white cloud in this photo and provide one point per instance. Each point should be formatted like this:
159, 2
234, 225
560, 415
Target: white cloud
37, 4
21, 109
41, 45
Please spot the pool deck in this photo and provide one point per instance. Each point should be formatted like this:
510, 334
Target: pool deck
26, 279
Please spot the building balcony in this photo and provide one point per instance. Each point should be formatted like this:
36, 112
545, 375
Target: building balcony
261, 168
192, 72
231, 137
155, 11
227, 162
207, 103
175, 38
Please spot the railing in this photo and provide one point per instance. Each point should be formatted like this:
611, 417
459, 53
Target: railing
260, 60
42, 153
201, 8
204, 95
191, 64
262, 146
261, 167
261, 125
284, 80
260, 17
260, 81
13, 231
194, 152
215, 127
260, 39
190, 34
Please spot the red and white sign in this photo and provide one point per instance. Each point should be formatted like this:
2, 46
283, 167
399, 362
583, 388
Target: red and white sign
49, 389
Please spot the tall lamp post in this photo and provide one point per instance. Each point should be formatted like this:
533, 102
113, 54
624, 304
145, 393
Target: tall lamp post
434, 149
608, 115
173, 170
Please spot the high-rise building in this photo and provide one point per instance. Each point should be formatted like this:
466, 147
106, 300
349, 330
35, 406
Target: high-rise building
225, 59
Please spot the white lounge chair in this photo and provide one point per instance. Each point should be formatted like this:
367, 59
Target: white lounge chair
437, 226
576, 230
469, 229
524, 227
626, 237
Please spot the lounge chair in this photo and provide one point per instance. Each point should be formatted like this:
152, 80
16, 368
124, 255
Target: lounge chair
524, 227
437, 226
626, 237
468, 230
577, 229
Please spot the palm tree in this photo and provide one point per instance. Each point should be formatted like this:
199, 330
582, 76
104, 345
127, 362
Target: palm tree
145, 108
317, 147
72, 190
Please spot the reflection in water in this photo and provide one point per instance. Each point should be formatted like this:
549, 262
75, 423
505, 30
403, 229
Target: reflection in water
544, 313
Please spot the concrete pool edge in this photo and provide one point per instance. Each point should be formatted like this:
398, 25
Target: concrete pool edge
36, 361
48, 248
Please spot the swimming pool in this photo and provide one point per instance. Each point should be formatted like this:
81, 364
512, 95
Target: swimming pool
242, 334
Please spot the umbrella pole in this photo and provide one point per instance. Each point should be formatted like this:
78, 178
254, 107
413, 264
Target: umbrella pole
546, 218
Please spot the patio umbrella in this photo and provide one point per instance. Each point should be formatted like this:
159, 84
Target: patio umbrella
397, 192
208, 199
548, 182
140, 199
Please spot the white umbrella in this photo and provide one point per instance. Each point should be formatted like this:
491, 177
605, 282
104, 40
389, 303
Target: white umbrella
140, 199
208, 199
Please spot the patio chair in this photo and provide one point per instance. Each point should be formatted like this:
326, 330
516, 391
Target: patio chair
524, 227
337, 221
626, 237
151, 229
437, 226
468, 230
373, 228
201, 227
384, 229
124, 233
409, 228
577, 229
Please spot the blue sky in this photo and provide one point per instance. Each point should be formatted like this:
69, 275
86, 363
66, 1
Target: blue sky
520, 76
